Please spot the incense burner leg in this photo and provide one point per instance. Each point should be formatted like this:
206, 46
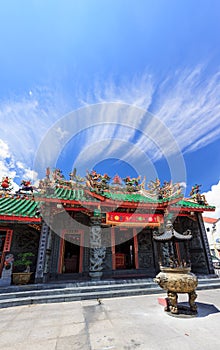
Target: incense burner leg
192, 298
172, 302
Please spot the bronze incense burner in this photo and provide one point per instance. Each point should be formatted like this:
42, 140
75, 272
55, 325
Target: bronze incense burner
175, 276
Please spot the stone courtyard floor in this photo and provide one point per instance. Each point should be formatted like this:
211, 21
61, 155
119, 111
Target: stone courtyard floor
120, 324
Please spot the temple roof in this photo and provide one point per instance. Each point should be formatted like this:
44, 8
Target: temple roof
25, 207
92, 191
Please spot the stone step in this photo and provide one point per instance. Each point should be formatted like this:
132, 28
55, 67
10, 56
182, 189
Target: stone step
76, 290
52, 293
77, 296
70, 284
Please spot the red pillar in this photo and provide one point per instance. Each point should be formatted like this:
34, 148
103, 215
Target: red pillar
113, 247
135, 248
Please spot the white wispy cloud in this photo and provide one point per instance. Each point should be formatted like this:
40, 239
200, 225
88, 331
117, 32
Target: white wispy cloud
137, 91
186, 101
4, 150
188, 104
26, 120
185, 108
213, 198
185, 117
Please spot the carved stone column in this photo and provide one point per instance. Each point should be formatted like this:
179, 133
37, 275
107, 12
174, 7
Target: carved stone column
41, 259
48, 255
97, 252
45, 245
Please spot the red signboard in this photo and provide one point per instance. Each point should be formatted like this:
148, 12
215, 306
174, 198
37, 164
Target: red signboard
133, 219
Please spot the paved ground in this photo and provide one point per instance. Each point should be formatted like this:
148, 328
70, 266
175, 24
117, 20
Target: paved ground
119, 324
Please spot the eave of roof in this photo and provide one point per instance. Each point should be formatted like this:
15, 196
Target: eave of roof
210, 220
19, 209
187, 204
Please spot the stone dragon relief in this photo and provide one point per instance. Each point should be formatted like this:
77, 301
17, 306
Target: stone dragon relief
97, 252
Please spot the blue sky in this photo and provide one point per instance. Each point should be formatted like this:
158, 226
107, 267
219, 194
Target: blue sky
161, 56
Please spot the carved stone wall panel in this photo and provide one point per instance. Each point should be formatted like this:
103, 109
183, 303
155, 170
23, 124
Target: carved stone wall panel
86, 261
198, 251
55, 252
108, 260
198, 261
182, 224
205, 243
145, 250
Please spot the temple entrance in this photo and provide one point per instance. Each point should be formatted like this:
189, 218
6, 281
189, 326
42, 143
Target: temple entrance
124, 248
124, 255
71, 252
71, 257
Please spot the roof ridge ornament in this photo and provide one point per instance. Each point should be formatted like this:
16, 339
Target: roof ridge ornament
196, 196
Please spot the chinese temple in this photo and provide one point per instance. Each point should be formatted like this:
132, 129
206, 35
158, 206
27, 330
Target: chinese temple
95, 227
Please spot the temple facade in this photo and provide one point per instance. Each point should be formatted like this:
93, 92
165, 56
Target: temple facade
95, 228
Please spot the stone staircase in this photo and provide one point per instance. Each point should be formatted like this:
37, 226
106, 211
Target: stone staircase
69, 291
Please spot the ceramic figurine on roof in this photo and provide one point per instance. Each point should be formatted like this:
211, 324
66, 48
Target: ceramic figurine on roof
116, 180
59, 178
116, 184
167, 190
196, 196
154, 187
105, 181
76, 179
6, 183
195, 189
26, 186
92, 179
133, 184
57, 175
97, 181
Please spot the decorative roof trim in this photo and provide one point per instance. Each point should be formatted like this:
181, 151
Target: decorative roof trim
25, 219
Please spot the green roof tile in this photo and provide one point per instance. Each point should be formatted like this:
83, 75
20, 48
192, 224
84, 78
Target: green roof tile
18, 207
129, 197
188, 204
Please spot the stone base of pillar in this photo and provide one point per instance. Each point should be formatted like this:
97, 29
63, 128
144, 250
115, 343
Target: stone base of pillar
46, 277
38, 280
96, 275
5, 282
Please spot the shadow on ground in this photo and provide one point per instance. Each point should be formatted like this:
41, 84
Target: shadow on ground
204, 309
